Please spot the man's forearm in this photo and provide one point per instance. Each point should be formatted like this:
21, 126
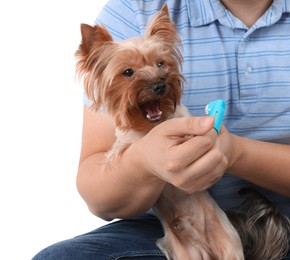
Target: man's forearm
265, 164
120, 191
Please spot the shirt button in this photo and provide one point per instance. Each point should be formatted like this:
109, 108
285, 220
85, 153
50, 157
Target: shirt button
248, 70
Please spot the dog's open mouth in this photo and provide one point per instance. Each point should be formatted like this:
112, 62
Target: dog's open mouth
151, 111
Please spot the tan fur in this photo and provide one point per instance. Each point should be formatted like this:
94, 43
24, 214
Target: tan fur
103, 64
194, 226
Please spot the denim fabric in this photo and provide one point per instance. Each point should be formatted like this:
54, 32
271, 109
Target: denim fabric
121, 240
125, 239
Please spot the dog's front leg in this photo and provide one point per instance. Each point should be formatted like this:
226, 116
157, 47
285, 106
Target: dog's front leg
195, 227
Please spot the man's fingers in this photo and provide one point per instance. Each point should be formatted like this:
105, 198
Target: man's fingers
194, 147
187, 126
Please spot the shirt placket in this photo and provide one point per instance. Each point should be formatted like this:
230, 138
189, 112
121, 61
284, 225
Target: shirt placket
246, 69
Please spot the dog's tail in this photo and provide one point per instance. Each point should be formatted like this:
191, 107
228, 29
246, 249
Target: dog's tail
264, 231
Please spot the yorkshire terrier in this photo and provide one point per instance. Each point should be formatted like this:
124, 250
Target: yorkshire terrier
138, 81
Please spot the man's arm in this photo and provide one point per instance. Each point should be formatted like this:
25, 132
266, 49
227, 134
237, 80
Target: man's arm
120, 192
265, 164
133, 184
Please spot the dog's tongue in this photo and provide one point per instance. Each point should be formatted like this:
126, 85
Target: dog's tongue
153, 111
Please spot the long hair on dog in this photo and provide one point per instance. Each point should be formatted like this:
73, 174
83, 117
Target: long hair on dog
139, 83
264, 231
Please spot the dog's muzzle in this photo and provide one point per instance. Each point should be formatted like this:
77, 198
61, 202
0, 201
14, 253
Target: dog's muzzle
158, 88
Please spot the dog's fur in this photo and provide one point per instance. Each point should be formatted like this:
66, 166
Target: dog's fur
138, 81
264, 231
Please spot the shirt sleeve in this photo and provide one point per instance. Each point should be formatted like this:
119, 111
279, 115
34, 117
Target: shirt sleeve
119, 18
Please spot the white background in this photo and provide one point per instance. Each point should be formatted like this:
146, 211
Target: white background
40, 124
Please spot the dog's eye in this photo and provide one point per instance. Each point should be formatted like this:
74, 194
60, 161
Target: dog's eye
128, 73
160, 64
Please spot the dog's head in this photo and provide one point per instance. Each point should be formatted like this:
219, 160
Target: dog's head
138, 81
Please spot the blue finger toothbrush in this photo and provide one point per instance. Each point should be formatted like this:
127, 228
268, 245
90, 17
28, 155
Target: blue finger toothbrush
216, 109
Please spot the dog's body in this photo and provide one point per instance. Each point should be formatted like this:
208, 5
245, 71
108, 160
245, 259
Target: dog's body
195, 227
138, 81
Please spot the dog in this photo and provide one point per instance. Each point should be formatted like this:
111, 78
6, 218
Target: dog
139, 83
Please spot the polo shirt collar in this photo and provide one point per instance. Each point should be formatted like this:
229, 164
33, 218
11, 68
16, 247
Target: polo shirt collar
203, 12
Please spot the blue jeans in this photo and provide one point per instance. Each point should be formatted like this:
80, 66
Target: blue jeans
125, 239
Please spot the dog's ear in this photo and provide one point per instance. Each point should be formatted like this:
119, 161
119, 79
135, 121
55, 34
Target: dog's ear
161, 26
89, 64
93, 35
93, 39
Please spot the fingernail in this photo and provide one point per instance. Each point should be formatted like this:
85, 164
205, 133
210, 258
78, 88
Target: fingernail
205, 121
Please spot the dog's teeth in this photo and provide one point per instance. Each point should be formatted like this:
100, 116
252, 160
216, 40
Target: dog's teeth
152, 111
155, 117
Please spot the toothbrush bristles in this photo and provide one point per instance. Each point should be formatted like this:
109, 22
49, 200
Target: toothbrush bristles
206, 109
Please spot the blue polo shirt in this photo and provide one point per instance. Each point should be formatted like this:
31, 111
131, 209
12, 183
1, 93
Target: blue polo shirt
223, 59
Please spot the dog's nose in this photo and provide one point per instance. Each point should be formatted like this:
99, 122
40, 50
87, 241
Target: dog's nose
158, 88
